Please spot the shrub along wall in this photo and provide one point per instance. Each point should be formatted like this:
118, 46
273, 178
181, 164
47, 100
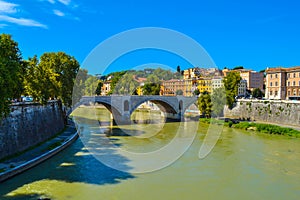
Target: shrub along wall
29, 124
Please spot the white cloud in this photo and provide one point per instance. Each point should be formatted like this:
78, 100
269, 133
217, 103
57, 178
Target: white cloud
51, 1
58, 13
66, 2
22, 21
6, 7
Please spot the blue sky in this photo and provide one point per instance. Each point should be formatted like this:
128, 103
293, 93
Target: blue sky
255, 34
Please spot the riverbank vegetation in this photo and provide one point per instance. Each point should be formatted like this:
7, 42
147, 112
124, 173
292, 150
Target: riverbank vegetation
49, 77
258, 127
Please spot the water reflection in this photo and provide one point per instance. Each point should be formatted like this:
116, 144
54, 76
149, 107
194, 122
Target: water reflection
74, 168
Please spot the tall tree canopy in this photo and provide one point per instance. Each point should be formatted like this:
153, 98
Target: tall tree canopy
257, 93
204, 104
151, 89
126, 85
91, 85
51, 77
79, 85
218, 99
10, 72
231, 84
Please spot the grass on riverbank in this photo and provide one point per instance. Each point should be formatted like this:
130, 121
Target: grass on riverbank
267, 128
263, 128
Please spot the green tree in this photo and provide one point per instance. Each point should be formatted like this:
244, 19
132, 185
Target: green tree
205, 104
178, 69
91, 85
218, 99
66, 68
41, 81
151, 89
126, 85
153, 79
196, 92
98, 90
50, 77
115, 77
257, 93
238, 67
10, 72
231, 84
79, 85
179, 92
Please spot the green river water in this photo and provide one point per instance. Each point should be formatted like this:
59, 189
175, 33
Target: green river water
242, 165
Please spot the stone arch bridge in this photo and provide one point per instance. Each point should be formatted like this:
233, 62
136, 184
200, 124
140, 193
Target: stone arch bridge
122, 107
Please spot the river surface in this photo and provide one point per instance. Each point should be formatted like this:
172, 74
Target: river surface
242, 165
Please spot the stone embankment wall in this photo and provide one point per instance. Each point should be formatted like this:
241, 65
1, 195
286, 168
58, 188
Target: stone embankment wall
281, 112
29, 124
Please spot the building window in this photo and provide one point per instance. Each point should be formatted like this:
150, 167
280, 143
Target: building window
294, 75
288, 75
294, 83
294, 92
271, 84
276, 84
275, 75
271, 76
288, 83
271, 93
289, 93
276, 93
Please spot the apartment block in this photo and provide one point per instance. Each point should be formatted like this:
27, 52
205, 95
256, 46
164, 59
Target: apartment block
293, 82
254, 79
282, 83
173, 86
204, 84
216, 82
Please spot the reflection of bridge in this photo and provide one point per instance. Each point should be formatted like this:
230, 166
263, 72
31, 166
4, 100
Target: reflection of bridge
122, 107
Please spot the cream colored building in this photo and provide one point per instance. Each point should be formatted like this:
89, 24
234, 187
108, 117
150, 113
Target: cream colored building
170, 87
293, 82
216, 82
282, 83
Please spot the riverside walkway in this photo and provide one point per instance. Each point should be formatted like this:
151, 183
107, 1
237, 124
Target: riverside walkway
30, 158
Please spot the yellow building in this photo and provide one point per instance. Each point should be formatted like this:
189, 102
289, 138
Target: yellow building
188, 87
204, 84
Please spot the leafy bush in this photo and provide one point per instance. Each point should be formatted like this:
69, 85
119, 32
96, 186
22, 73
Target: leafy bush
268, 128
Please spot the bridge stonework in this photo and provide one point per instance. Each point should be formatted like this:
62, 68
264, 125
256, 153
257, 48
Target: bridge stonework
122, 107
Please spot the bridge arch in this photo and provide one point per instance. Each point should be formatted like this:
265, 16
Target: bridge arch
162, 104
111, 108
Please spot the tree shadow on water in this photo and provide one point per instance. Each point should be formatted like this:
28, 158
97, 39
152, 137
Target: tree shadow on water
73, 165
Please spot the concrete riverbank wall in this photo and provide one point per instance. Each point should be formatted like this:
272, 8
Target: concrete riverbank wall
29, 124
281, 112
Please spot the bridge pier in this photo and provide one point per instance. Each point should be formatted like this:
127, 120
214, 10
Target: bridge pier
121, 119
171, 117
